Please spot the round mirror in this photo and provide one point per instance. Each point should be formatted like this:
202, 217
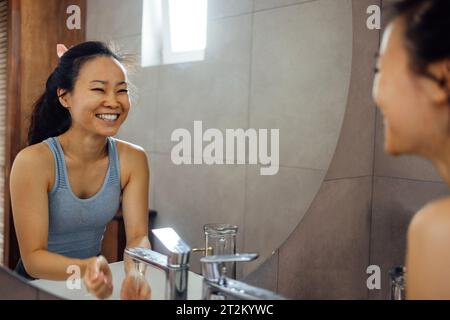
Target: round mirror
240, 116
280, 73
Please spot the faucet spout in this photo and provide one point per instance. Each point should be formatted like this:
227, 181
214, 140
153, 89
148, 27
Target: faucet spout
175, 265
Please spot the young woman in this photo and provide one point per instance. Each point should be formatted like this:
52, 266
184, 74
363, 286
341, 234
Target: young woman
412, 90
74, 177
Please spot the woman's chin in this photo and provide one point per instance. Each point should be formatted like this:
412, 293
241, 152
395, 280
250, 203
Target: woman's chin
391, 148
108, 132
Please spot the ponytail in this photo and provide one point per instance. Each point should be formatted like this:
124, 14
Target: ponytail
49, 117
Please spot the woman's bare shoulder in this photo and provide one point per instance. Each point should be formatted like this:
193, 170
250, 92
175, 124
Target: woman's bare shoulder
36, 155
132, 157
433, 218
129, 150
34, 164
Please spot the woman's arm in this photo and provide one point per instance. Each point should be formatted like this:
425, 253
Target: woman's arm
135, 214
135, 201
29, 184
428, 253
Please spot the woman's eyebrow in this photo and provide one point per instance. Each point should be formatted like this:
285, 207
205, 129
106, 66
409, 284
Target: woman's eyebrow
105, 82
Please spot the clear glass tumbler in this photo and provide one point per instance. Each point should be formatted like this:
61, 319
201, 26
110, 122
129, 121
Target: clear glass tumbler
220, 239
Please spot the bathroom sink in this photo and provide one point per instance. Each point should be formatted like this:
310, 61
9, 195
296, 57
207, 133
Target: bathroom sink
155, 278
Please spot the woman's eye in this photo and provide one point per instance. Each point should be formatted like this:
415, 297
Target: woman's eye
98, 89
124, 91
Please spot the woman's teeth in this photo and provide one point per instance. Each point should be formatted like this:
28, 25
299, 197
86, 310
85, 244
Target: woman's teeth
107, 117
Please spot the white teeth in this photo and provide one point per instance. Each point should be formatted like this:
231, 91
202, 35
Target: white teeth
108, 117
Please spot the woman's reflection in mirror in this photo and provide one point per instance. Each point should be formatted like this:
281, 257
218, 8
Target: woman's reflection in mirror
74, 176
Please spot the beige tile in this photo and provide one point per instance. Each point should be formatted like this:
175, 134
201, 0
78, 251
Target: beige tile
228, 8
189, 196
266, 275
395, 201
112, 19
270, 4
301, 68
354, 152
214, 91
327, 255
275, 205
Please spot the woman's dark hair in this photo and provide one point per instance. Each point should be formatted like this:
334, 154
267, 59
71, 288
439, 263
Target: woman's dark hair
427, 31
49, 118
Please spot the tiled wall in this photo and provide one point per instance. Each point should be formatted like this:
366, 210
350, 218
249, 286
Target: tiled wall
250, 79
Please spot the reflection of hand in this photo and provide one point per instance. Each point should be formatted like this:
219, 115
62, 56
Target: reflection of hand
98, 277
135, 287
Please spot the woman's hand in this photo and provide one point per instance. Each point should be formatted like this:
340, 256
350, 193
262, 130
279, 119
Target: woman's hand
135, 287
98, 277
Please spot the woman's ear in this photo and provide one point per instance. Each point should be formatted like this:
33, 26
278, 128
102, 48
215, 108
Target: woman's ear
62, 96
439, 91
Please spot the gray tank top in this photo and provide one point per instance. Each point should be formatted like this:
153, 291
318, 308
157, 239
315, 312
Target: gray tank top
76, 226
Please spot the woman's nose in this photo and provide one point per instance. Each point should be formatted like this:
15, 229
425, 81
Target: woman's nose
112, 101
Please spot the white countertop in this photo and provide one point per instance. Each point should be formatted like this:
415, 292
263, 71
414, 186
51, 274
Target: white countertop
155, 277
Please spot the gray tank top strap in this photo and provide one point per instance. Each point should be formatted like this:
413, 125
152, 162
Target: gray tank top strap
115, 164
60, 179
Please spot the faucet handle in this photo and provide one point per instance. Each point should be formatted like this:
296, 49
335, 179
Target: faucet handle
213, 268
178, 250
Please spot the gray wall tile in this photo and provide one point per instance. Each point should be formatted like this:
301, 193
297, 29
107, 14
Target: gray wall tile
270, 4
112, 19
228, 8
275, 205
294, 49
189, 196
395, 201
265, 276
214, 91
327, 255
354, 152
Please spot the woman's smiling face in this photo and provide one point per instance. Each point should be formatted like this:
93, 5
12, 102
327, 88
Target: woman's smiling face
99, 102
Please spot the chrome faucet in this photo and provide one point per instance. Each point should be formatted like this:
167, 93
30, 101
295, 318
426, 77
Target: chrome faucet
175, 264
217, 286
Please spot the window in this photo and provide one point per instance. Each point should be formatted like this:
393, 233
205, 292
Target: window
173, 31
